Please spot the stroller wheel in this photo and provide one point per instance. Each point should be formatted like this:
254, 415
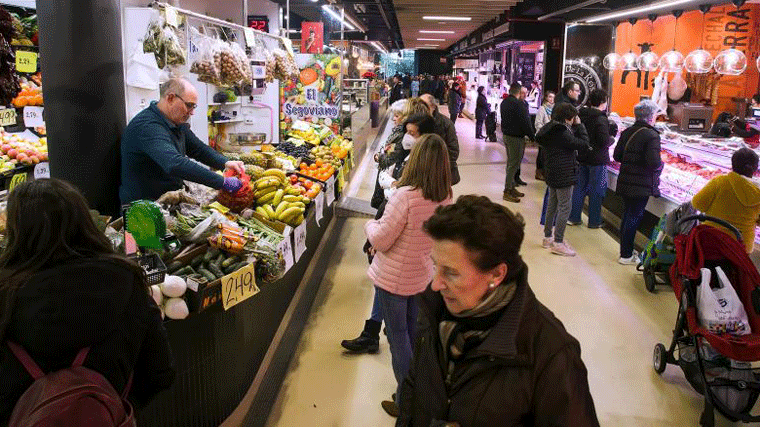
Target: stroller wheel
649, 280
660, 358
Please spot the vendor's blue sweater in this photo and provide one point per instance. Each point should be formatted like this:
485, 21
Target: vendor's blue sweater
154, 157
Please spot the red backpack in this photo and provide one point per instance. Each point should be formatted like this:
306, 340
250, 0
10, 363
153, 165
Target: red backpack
72, 397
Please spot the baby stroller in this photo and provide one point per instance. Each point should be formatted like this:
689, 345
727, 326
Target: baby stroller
714, 364
659, 253
491, 126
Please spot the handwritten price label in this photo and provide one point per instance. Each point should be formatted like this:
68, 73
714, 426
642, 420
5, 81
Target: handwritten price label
42, 170
319, 206
26, 62
330, 191
286, 248
33, 117
8, 117
239, 286
299, 236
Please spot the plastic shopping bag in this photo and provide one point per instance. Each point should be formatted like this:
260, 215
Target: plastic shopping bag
142, 71
720, 310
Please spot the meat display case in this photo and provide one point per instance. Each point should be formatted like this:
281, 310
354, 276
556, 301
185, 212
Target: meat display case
690, 161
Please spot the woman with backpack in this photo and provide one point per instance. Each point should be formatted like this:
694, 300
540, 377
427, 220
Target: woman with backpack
64, 289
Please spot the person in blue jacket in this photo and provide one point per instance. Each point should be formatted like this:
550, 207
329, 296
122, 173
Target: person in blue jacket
158, 148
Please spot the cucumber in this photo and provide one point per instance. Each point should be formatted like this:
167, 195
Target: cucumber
230, 261
218, 262
176, 265
213, 268
184, 271
207, 274
211, 254
235, 267
197, 261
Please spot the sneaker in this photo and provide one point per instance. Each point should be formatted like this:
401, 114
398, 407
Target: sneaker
508, 196
594, 227
633, 260
574, 223
517, 193
562, 249
547, 242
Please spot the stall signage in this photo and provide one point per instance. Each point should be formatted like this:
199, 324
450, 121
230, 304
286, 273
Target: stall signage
8, 117
42, 170
488, 35
17, 180
330, 190
299, 240
501, 29
286, 249
250, 37
239, 286
319, 206
33, 117
26, 62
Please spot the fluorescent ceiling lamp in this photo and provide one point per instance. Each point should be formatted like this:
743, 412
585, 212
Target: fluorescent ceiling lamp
379, 47
337, 17
436, 32
432, 40
447, 18
638, 10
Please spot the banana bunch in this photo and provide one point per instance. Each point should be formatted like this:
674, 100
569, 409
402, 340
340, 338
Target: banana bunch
277, 200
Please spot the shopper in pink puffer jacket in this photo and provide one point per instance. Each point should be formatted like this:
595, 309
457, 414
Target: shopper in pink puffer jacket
402, 266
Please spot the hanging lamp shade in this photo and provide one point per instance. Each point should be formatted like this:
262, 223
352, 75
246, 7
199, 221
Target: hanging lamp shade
614, 61
731, 62
672, 61
699, 61
648, 61
629, 61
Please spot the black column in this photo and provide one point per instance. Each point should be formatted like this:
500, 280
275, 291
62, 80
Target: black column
83, 83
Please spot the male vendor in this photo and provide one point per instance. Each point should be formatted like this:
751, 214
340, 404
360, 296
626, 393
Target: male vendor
158, 145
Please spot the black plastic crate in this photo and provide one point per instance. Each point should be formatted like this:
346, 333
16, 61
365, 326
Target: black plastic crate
155, 270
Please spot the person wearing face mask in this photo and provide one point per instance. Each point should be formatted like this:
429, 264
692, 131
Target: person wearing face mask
487, 352
158, 145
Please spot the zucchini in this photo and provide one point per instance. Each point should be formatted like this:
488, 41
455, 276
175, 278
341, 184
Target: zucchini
230, 261
184, 271
197, 261
216, 270
176, 265
235, 267
211, 254
218, 262
207, 274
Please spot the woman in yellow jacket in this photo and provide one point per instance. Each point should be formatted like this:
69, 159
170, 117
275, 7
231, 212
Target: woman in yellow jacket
733, 197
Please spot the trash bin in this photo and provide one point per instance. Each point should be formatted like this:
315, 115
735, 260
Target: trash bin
374, 113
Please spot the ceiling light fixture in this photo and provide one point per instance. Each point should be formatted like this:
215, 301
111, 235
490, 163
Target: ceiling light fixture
432, 40
447, 18
379, 47
337, 17
638, 10
436, 32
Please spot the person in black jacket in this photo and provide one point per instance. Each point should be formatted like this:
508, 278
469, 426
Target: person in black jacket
482, 108
64, 288
638, 151
515, 125
560, 139
398, 90
571, 93
447, 131
487, 352
592, 177
454, 102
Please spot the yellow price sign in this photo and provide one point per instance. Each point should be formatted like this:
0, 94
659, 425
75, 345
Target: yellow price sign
8, 117
17, 179
341, 180
26, 62
239, 286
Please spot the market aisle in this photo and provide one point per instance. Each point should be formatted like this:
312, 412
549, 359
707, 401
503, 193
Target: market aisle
603, 304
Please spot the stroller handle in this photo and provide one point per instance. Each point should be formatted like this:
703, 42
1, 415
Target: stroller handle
703, 218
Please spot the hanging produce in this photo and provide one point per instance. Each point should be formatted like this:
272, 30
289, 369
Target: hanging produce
163, 42
9, 83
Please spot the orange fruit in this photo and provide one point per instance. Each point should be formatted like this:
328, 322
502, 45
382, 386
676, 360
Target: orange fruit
304, 165
313, 166
319, 163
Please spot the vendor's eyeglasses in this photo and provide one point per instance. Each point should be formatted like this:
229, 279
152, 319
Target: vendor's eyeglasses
190, 106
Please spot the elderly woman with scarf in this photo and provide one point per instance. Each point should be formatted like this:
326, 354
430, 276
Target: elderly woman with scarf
487, 352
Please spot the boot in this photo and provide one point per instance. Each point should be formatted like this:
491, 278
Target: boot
540, 175
517, 193
368, 341
390, 408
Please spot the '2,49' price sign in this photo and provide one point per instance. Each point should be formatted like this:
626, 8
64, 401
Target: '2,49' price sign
239, 286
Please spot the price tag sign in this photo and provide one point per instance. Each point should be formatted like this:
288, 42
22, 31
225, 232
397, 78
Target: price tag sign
250, 40
299, 240
42, 170
259, 71
286, 249
17, 179
26, 62
341, 180
239, 286
8, 117
172, 17
330, 190
33, 117
319, 206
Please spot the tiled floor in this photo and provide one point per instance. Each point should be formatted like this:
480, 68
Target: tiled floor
603, 304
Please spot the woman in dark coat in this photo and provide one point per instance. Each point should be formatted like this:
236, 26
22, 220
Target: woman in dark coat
487, 352
638, 151
560, 140
482, 108
455, 101
63, 288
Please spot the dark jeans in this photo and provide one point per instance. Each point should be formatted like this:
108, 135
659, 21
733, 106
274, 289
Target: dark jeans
592, 181
544, 207
377, 312
400, 314
540, 159
479, 120
632, 215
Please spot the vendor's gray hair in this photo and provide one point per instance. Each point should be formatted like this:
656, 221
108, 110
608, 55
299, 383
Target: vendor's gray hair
646, 110
398, 106
175, 85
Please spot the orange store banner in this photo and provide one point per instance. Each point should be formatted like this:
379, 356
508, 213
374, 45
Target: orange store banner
725, 27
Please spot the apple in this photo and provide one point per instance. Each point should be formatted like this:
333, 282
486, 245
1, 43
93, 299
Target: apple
12, 153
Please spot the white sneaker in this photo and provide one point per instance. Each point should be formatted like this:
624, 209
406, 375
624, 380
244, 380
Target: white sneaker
547, 243
570, 223
633, 260
562, 249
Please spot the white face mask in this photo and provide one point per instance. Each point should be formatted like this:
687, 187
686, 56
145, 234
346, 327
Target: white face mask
408, 141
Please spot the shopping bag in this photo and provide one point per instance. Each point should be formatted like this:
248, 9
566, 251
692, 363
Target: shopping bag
142, 70
720, 310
